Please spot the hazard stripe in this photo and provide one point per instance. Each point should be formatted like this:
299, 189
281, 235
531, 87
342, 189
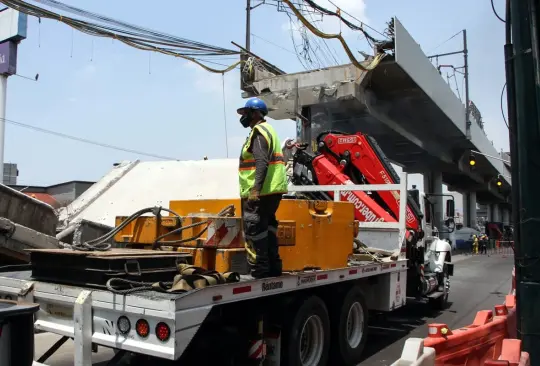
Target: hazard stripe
223, 236
256, 350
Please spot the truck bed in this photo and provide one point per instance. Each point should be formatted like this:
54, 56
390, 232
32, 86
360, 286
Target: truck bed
230, 292
61, 305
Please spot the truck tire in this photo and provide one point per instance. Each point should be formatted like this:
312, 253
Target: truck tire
441, 302
349, 328
306, 335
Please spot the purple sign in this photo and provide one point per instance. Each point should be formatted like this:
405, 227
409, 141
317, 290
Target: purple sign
8, 58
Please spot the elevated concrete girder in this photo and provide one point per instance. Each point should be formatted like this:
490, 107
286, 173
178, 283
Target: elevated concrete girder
409, 100
347, 105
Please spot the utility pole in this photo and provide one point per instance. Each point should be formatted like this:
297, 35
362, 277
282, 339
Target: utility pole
466, 77
465, 67
248, 25
13, 26
526, 96
3, 98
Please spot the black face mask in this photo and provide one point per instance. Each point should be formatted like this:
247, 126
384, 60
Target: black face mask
246, 119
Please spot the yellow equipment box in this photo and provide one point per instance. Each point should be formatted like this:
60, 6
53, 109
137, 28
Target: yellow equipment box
311, 234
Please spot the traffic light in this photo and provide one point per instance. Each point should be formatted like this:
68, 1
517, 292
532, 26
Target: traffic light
472, 161
499, 182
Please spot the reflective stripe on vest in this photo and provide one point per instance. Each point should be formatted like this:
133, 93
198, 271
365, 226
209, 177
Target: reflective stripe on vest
276, 177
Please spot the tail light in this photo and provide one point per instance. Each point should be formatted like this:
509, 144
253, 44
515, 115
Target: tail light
142, 328
123, 324
163, 332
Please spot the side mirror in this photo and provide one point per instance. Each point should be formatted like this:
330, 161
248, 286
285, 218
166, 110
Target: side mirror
450, 208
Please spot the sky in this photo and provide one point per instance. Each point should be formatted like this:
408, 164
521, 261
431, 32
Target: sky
101, 90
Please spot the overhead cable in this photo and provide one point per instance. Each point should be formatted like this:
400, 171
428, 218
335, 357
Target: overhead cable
134, 36
86, 141
352, 26
495, 12
348, 51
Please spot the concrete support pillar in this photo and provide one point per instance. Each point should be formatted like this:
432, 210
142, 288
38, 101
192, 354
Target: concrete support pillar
433, 185
489, 213
506, 216
496, 213
469, 209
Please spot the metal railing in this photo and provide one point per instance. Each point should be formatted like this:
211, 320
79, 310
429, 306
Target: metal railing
337, 189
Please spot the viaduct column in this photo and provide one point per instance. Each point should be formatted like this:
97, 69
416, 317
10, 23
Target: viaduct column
433, 185
469, 209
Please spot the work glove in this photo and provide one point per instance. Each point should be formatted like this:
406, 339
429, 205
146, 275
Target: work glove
253, 195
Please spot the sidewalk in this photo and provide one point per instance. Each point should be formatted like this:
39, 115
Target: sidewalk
458, 256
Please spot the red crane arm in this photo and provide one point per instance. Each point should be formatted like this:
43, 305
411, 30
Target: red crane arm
360, 157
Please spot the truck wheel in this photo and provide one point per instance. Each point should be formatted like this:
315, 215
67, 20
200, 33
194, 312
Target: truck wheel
349, 328
307, 335
441, 302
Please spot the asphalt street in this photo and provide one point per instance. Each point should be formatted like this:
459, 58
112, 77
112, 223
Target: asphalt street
479, 283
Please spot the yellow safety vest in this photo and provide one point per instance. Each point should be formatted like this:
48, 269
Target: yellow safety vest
276, 177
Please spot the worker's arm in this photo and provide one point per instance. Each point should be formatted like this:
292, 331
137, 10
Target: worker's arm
261, 154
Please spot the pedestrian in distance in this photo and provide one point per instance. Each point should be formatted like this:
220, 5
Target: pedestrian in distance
263, 181
483, 244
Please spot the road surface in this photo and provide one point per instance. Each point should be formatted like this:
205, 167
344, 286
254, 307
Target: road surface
479, 283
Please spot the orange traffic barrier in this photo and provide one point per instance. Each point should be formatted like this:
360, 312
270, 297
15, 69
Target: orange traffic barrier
474, 344
511, 318
511, 355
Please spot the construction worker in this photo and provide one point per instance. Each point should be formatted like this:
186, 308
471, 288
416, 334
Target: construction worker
483, 244
475, 244
263, 182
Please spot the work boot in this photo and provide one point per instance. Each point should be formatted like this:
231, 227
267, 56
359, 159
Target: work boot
274, 261
246, 278
260, 268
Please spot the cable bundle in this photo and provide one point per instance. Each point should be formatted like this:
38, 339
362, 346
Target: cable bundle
132, 35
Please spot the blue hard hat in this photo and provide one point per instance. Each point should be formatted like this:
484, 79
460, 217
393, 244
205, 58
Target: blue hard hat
254, 104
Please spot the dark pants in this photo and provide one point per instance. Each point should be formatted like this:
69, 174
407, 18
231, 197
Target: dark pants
260, 230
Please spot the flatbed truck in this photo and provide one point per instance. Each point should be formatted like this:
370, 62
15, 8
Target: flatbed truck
312, 317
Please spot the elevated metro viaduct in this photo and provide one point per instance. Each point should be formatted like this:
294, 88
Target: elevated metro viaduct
407, 107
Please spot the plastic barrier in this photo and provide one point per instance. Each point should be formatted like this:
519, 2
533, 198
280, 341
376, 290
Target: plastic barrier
475, 343
511, 355
415, 354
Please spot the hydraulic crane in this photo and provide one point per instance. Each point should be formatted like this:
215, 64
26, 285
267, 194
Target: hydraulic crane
356, 159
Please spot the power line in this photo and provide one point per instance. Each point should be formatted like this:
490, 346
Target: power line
273, 44
86, 141
225, 115
131, 35
502, 107
495, 12
448, 40
358, 20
